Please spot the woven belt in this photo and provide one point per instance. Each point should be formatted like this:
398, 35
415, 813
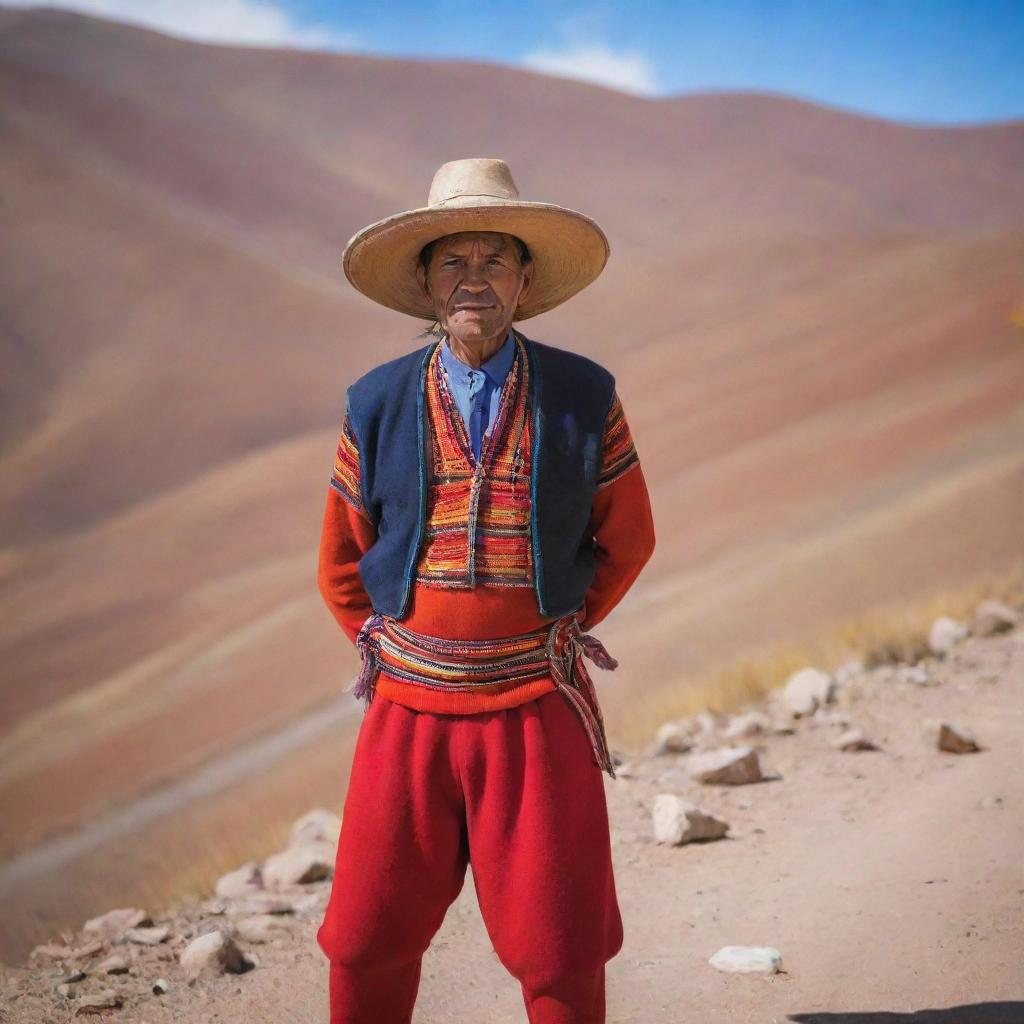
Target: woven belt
557, 650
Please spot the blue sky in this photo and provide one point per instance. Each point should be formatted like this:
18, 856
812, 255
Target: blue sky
918, 61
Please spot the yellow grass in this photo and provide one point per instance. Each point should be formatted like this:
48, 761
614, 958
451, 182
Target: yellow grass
882, 635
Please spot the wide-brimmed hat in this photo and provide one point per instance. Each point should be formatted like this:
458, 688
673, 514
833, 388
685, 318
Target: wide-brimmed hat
569, 250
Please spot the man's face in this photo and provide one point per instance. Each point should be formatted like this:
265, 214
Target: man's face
475, 282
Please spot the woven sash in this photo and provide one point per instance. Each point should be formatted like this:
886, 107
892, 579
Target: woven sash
556, 650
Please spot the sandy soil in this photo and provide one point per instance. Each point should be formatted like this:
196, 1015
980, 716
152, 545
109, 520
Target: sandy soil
891, 881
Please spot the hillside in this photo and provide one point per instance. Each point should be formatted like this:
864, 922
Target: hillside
808, 314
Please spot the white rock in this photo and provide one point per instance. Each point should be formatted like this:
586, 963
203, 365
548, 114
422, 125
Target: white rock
297, 865
747, 959
945, 634
112, 925
147, 936
853, 739
214, 952
953, 739
671, 738
316, 826
678, 821
244, 881
265, 903
51, 951
916, 675
107, 999
261, 927
728, 766
751, 723
113, 964
994, 617
807, 690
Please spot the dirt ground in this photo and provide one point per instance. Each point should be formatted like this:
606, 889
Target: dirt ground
891, 881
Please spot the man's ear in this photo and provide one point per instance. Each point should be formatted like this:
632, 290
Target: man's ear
527, 280
421, 276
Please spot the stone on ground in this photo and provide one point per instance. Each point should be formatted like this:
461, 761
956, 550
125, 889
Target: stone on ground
807, 690
852, 740
945, 634
728, 766
213, 953
678, 821
992, 617
747, 959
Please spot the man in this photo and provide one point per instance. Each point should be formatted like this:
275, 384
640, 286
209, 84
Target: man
486, 506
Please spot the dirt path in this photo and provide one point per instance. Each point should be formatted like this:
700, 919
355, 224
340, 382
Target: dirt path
891, 881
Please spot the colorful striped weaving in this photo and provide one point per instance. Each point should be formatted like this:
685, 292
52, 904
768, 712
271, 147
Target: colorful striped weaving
478, 515
618, 453
460, 664
388, 648
345, 476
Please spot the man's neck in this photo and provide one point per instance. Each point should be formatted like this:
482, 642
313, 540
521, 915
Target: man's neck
476, 353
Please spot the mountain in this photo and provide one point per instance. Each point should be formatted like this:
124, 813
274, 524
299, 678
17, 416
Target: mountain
808, 313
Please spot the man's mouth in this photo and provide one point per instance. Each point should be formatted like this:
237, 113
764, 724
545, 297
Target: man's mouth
474, 305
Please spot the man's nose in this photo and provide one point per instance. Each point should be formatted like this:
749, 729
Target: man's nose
475, 274
474, 286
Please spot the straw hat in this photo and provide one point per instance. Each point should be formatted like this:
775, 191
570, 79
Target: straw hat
569, 250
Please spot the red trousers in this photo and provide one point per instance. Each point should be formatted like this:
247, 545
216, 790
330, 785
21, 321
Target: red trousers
515, 793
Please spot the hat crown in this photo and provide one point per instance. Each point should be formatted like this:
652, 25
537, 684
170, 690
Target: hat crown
468, 181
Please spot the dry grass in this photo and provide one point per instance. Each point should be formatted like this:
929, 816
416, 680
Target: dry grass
882, 635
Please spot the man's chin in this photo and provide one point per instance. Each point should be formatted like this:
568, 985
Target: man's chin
470, 327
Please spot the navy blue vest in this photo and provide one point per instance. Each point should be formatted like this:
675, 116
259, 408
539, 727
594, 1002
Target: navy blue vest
569, 395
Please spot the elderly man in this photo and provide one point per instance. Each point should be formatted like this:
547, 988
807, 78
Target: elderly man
486, 507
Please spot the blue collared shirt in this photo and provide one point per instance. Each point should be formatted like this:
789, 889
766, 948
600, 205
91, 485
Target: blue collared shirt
477, 391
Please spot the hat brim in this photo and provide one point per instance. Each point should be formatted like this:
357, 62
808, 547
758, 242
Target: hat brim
569, 251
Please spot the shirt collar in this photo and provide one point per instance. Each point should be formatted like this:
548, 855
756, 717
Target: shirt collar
496, 367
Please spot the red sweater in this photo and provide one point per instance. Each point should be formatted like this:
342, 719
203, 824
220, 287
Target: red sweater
623, 530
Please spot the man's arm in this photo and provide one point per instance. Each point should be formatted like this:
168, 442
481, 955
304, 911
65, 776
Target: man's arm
622, 522
346, 536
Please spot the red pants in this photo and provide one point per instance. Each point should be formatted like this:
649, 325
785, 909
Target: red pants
514, 792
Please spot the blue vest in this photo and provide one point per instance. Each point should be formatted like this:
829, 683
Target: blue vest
569, 397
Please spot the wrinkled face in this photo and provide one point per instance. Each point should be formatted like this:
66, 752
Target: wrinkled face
474, 282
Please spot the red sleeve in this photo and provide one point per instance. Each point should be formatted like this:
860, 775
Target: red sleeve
346, 536
621, 521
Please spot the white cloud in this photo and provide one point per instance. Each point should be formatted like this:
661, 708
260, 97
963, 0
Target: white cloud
627, 70
235, 22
